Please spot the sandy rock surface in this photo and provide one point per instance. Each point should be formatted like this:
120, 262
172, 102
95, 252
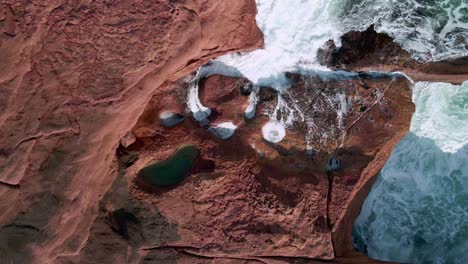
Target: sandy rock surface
74, 78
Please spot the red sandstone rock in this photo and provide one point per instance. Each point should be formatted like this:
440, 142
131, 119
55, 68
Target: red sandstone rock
74, 77
262, 200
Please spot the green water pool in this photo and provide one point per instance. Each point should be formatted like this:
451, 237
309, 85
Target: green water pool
171, 171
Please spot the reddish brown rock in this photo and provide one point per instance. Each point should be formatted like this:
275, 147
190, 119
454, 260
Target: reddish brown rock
241, 209
74, 78
264, 200
371, 51
223, 92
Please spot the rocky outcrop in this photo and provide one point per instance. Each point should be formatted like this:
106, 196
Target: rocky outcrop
263, 201
360, 48
371, 51
74, 78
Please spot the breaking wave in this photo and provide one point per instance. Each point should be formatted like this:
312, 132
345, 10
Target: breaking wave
417, 210
294, 30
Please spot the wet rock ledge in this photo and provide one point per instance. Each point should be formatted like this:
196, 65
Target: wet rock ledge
291, 196
266, 199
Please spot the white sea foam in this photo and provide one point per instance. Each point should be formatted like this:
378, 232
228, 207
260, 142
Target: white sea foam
441, 114
223, 130
294, 30
417, 209
273, 132
199, 111
253, 100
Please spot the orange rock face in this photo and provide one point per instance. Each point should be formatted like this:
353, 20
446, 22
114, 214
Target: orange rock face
74, 78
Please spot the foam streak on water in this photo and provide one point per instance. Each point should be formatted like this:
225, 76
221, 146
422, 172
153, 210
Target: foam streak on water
417, 210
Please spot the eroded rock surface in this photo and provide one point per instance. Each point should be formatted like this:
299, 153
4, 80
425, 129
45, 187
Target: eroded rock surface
262, 200
74, 78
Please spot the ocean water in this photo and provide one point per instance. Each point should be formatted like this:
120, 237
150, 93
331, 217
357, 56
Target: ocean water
295, 29
429, 29
417, 210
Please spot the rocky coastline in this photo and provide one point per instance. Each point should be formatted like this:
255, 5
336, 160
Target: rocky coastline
94, 92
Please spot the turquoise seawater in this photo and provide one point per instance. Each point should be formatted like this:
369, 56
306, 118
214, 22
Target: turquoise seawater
429, 29
417, 211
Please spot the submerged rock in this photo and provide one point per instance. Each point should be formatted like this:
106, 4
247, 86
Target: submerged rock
369, 50
364, 48
171, 171
223, 130
202, 115
273, 132
325, 55
169, 119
